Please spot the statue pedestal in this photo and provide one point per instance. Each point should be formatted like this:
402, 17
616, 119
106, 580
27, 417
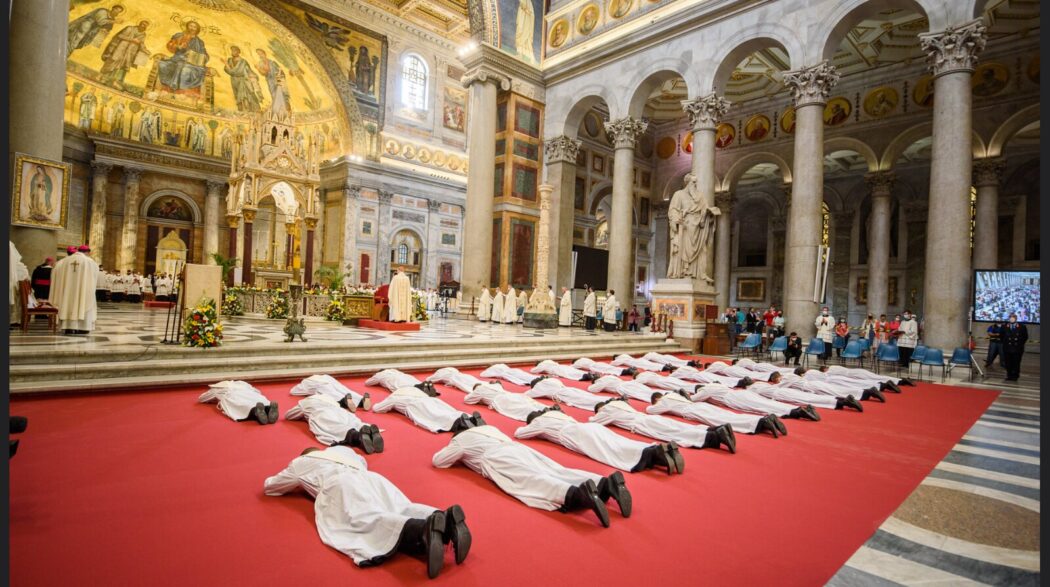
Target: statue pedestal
540, 320
684, 301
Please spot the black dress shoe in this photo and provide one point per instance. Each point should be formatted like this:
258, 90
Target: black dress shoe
272, 413
434, 543
366, 402
614, 486
778, 425
908, 382
457, 533
18, 424
348, 403
811, 413
477, 419
889, 386
766, 425
13, 448
259, 414
377, 438
463, 422
595, 503
727, 437
871, 392
676, 457
848, 402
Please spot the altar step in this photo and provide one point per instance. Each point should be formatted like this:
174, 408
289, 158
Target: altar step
35, 372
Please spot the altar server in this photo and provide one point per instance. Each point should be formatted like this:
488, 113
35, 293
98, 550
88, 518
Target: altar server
240, 401
332, 424
117, 287
549, 367
73, 292
365, 516
331, 387
484, 305
678, 404
801, 398
750, 402
497, 306
429, 413
610, 321
601, 444
516, 406
134, 283
534, 479
565, 308
631, 389
556, 390
392, 379
600, 368
516, 376
626, 360
670, 362
623, 415
590, 310
164, 285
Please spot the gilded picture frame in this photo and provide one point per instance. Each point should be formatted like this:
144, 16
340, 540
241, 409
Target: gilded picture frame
750, 289
40, 194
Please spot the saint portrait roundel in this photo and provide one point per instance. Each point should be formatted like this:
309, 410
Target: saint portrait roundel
881, 102
588, 19
787, 120
757, 127
665, 147
559, 33
837, 111
725, 133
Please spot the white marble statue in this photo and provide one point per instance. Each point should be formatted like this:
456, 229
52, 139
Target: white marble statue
692, 228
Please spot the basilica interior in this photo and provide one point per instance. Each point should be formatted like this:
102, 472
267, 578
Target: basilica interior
495, 144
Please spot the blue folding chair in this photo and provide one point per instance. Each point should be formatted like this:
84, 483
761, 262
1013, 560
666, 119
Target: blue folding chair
961, 358
780, 344
917, 355
854, 351
933, 358
837, 344
888, 353
751, 344
816, 347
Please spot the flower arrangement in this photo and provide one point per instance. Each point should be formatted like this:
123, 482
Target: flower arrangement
202, 328
335, 311
354, 290
278, 306
419, 308
232, 304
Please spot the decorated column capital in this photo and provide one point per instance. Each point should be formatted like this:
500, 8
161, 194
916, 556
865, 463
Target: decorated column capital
311, 222
625, 131
955, 48
561, 149
433, 205
132, 175
233, 220
705, 111
101, 168
352, 192
811, 85
249, 214
724, 202
385, 197
880, 182
486, 75
215, 187
988, 172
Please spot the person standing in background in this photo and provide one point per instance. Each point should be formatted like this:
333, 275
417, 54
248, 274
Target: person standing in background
825, 325
995, 346
590, 309
908, 332
842, 331
1014, 336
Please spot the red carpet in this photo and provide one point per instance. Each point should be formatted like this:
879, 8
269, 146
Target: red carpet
381, 325
152, 488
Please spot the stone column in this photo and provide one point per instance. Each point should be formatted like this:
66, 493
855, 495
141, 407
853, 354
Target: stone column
952, 55
246, 264
723, 248
837, 294
809, 87
778, 223
212, 203
311, 230
97, 230
704, 114
1016, 209
539, 313
879, 242
481, 177
915, 225
430, 269
383, 237
560, 165
621, 233
986, 176
37, 40
661, 232
289, 245
130, 232
232, 221
351, 261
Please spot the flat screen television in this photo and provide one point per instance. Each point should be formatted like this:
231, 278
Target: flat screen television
997, 294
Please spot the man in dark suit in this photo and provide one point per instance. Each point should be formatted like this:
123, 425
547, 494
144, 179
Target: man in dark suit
1014, 336
794, 348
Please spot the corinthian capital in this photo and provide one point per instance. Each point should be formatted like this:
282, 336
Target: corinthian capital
625, 131
352, 192
561, 149
486, 75
954, 49
811, 85
987, 172
880, 182
706, 111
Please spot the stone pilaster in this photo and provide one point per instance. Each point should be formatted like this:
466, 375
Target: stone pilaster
130, 231
560, 166
97, 231
212, 204
430, 268
951, 55
624, 133
539, 313
987, 174
661, 233
383, 237
809, 87
723, 248
349, 259
837, 294
881, 184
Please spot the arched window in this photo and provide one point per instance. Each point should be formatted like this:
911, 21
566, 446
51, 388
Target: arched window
414, 83
402, 254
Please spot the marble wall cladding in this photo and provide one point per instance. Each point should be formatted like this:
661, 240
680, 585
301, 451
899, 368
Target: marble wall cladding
77, 213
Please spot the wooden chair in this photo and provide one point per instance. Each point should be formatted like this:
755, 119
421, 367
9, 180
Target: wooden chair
42, 309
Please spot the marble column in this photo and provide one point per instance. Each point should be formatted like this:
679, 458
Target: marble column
837, 294
232, 221
1015, 208
246, 264
986, 176
481, 176
915, 226
704, 114
560, 166
723, 248
130, 233
212, 206
97, 230
952, 55
37, 61
621, 232
383, 221
540, 312
878, 243
351, 260
809, 87
289, 245
311, 230
430, 269
778, 224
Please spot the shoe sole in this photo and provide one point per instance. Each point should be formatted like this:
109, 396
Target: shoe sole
365, 439
366, 403
435, 543
728, 438
272, 413
377, 438
618, 491
260, 415
460, 537
676, 457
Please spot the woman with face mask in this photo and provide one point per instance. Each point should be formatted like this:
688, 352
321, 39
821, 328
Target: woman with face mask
842, 331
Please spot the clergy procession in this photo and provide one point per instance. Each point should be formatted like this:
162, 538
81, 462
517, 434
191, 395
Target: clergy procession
674, 402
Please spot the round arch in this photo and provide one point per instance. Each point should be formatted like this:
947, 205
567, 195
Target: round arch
906, 138
569, 124
836, 203
857, 146
846, 14
644, 87
763, 38
278, 190
154, 197
1010, 127
740, 166
761, 196
598, 191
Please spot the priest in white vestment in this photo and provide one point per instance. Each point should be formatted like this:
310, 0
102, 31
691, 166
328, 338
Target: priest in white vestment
511, 374
693, 374
17, 273
484, 305
609, 308
399, 295
453, 377
330, 386
516, 406
678, 404
531, 477
565, 308
626, 360
816, 382
73, 292
669, 360
750, 402
798, 397
590, 310
573, 373
622, 415
599, 368
429, 413
332, 424
240, 401
523, 301
392, 379
556, 390
365, 516
510, 306
631, 389
497, 306
601, 444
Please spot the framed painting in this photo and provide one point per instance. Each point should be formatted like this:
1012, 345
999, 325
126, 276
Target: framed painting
862, 291
41, 192
598, 163
750, 289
